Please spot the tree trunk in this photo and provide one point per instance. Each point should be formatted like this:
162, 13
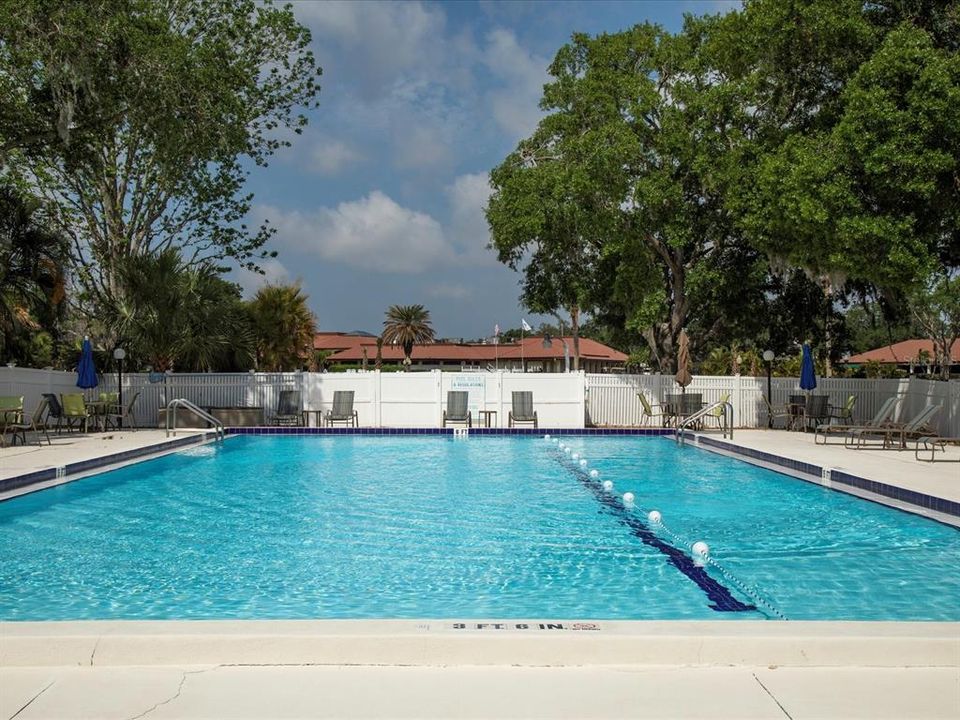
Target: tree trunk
575, 330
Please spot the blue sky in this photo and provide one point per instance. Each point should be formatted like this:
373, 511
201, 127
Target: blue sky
381, 200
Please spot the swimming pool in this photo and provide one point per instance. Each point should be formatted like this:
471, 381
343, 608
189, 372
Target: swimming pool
487, 527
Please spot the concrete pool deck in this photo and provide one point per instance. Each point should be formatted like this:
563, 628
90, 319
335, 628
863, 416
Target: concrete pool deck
430, 669
435, 669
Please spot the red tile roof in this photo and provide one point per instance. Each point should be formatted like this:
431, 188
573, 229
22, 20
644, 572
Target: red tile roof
349, 348
902, 353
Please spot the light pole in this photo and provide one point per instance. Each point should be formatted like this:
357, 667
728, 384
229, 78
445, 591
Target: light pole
768, 356
119, 354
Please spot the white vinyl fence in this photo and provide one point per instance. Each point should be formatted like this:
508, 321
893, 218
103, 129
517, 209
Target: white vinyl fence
417, 399
612, 399
381, 399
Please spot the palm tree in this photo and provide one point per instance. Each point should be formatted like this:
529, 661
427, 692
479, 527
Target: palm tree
284, 326
172, 316
32, 281
407, 325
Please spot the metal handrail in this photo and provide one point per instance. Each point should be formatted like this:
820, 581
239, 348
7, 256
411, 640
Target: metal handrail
703, 412
204, 415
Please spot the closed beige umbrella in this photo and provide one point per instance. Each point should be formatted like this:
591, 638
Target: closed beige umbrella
684, 377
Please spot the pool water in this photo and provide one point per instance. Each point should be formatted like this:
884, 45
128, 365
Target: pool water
487, 527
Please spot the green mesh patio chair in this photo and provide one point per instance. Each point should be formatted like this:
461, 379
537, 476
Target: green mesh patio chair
123, 416
457, 412
11, 413
844, 413
342, 410
651, 411
34, 424
522, 410
717, 414
75, 412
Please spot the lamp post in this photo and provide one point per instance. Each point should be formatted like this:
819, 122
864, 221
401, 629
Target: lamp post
119, 354
768, 356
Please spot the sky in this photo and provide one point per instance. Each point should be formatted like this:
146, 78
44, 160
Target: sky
380, 201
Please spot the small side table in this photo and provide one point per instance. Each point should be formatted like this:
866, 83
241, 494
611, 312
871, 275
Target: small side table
485, 416
318, 417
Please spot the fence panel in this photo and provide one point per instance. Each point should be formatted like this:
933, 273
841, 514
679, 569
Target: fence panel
418, 399
612, 399
31, 384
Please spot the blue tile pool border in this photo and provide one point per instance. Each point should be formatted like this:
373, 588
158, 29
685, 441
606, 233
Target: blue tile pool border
19, 482
908, 500
299, 430
809, 472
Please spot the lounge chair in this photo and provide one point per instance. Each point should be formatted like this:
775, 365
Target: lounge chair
342, 410
289, 411
897, 434
883, 418
34, 424
457, 412
522, 411
119, 415
75, 412
932, 443
11, 413
649, 412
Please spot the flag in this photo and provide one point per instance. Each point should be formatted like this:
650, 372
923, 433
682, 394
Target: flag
526, 327
496, 330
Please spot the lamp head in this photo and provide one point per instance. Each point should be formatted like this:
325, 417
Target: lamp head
547, 341
768, 355
119, 353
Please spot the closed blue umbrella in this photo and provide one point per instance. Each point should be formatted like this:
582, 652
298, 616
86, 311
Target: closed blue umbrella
86, 372
808, 376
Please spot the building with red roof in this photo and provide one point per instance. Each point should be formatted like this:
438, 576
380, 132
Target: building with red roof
528, 355
906, 354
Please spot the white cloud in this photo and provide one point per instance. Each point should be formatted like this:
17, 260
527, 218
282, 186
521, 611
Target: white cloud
273, 272
377, 233
521, 76
468, 196
420, 146
329, 157
374, 43
447, 291
373, 233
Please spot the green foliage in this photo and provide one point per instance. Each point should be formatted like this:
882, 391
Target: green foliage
936, 311
284, 327
741, 178
874, 325
32, 280
136, 121
406, 325
858, 182
177, 317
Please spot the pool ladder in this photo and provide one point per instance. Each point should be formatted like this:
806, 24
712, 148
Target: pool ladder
171, 418
726, 426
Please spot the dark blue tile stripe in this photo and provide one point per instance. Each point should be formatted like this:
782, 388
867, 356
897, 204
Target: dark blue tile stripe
20, 481
908, 497
721, 599
444, 431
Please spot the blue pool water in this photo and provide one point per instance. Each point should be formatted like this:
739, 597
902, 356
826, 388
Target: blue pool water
432, 527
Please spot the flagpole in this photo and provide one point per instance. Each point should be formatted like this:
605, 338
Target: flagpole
522, 367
